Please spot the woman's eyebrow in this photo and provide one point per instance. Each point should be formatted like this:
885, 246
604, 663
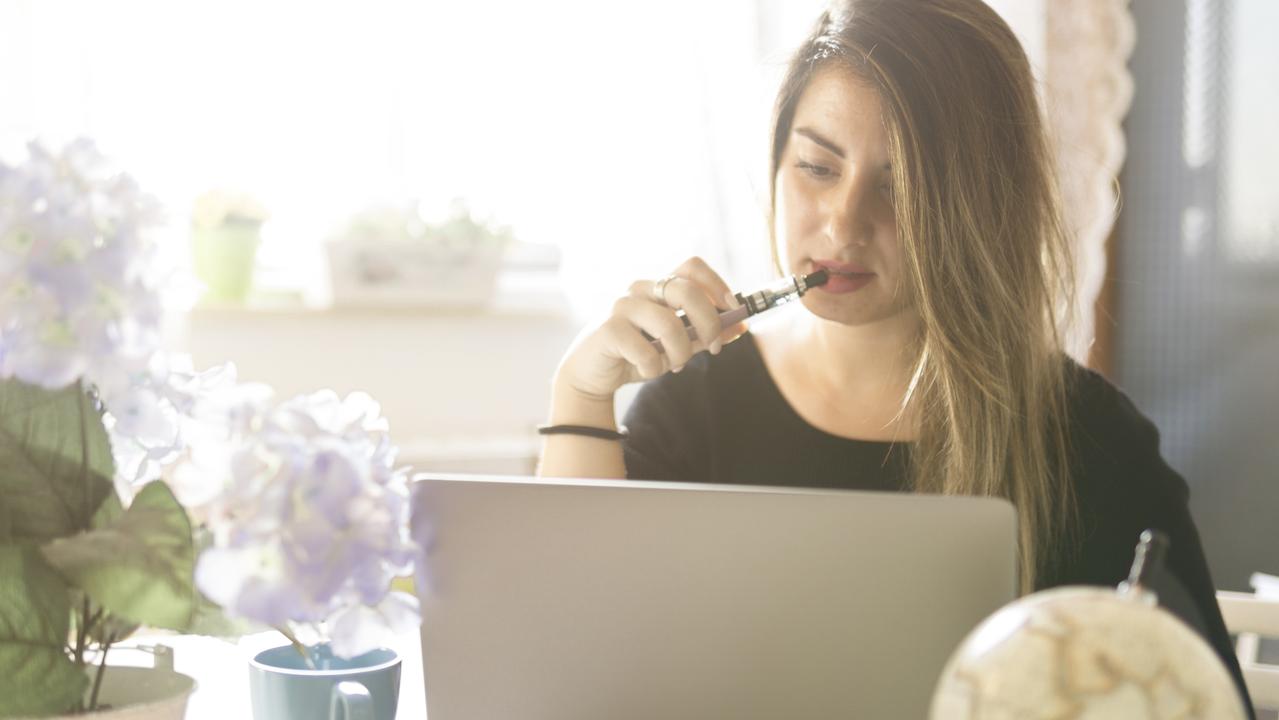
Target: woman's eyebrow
817, 138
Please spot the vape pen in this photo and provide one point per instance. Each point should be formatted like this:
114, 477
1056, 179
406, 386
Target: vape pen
779, 293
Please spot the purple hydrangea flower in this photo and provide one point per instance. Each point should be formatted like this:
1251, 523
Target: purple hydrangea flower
312, 523
310, 518
79, 292
81, 299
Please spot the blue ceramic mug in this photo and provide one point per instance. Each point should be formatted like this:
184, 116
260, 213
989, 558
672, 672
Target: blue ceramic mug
282, 687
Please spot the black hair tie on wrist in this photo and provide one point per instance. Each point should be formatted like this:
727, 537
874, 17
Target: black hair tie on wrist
583, 430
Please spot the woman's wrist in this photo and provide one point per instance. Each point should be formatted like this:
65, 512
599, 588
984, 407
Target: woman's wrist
589, 431
572, 407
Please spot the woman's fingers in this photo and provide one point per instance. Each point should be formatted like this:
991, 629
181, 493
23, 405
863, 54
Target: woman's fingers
731, 331
699, 292
661, 323
701, 274
625, 347
694, 300
721, 297
636, 350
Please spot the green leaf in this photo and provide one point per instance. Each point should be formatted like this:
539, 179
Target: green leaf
55, 461
108, 514
36, 676
139, 566
111, 629
212, 621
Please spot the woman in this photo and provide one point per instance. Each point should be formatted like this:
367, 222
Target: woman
909, 161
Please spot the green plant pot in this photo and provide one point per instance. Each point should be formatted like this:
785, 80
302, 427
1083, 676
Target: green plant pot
224, 259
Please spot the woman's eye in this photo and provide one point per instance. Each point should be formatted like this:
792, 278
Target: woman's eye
820, 171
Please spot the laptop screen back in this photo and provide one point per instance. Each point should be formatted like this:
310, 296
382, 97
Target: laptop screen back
619, 599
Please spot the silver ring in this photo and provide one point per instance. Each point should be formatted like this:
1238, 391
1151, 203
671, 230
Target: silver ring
659, 289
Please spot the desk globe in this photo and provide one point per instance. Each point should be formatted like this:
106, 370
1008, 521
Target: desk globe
1079, 653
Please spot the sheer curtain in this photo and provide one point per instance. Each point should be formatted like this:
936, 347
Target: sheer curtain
1080, 51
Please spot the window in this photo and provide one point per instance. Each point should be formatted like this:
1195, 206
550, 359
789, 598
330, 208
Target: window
1198, 266
631, 136
1250, 149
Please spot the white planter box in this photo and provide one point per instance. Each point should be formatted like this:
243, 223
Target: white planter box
393, 273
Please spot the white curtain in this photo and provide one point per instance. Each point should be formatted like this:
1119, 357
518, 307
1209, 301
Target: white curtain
1080, 51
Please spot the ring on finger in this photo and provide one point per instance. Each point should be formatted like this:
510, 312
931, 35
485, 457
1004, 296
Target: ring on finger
659, 289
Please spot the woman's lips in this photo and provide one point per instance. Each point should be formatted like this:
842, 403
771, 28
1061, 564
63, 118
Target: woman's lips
844, 277
839, 284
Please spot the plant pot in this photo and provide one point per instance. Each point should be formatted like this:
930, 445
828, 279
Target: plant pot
397, 273
138, 693
224, 257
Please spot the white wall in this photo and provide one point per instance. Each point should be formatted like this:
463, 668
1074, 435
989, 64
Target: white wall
463, 390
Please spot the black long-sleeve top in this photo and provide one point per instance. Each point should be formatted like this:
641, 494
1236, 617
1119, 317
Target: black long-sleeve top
723, 420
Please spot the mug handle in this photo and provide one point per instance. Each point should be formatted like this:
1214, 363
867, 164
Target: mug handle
354, 700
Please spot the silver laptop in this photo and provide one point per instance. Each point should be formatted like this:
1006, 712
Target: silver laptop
620, 599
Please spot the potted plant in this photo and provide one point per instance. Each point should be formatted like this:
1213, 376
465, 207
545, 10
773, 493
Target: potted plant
392, 256
124, 475
79, 323
226, 230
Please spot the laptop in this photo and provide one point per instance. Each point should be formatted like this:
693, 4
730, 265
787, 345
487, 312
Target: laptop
565, 599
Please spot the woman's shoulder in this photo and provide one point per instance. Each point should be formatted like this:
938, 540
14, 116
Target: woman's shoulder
1113, 443
1095, 401
1098, 408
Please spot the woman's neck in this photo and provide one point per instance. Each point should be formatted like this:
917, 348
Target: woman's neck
855, 361
849, 380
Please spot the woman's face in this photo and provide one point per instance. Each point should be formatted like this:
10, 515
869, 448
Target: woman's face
835, 203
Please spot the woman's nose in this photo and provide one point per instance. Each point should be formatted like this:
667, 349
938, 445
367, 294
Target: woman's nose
848, 219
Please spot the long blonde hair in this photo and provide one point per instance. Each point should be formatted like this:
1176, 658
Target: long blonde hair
987, 257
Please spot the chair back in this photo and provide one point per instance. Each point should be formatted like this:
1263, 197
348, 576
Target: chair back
1253, 617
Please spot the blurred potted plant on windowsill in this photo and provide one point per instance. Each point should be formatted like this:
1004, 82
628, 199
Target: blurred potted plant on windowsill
226, 230
125, 477
391, 256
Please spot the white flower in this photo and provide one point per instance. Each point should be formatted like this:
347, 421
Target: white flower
79, 293
82, 297
358, 629
309, 516
164, 413
312, 523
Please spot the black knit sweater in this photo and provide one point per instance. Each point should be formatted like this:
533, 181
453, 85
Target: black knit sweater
723, 420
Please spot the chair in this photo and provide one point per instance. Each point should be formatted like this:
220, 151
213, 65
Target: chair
1252, 617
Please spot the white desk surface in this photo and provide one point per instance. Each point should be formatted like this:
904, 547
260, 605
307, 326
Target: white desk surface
221, 671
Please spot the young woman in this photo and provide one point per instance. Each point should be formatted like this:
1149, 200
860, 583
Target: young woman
908, 161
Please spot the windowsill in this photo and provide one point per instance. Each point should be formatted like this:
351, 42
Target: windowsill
462, 388
517, 294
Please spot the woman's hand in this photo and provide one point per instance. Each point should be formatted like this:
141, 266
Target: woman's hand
615, 352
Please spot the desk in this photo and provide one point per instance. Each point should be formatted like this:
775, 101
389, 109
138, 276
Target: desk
221, 671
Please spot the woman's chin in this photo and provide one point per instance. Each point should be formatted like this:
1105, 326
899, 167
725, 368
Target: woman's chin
849, 310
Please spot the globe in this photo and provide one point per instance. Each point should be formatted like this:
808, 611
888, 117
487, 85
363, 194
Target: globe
1079, 652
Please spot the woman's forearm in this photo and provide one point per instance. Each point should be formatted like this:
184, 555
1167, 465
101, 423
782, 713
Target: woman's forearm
578, 456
